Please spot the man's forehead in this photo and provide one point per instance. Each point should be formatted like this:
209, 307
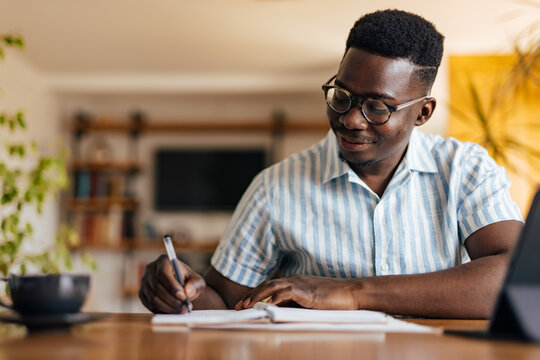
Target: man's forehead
360, 69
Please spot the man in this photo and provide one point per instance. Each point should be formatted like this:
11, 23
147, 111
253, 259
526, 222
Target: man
377, 215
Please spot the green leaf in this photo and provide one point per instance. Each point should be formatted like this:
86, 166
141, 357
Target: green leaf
13, 40
23, 269
20, 119
20, 238
6, 199
73, 238
29, 228
68, 263
11, 249
4, 268
89, 261
16, 150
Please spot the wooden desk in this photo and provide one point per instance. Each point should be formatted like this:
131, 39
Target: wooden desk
124, 336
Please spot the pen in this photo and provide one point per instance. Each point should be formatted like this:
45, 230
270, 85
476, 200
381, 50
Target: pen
174, 262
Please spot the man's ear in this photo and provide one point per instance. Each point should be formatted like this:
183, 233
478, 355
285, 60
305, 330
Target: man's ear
426, 111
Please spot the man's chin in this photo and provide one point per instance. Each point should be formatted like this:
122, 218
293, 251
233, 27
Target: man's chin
355, 162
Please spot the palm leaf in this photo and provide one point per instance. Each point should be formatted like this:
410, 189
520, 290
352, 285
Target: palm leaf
524, 148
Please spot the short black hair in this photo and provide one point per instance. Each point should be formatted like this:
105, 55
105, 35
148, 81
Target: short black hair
399, 34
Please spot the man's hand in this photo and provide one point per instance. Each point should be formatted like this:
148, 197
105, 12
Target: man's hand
311, 292
161, 293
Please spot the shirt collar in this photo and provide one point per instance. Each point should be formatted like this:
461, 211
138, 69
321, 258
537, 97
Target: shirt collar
333, 166
418, 157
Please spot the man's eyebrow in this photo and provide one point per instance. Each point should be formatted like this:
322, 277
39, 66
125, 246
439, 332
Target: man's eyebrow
371, 95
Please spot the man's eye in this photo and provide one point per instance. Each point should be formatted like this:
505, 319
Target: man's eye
341, 96
340, 100
375, 107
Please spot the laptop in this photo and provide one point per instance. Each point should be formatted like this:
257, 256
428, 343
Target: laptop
517, 312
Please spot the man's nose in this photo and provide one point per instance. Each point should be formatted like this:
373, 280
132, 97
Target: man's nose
354, 119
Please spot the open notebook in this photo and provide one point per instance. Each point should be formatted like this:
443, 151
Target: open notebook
270, 317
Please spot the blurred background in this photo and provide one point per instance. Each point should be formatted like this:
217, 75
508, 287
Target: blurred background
152, 98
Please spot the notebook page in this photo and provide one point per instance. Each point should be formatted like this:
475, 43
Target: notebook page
300, 315
210, 317
391, 326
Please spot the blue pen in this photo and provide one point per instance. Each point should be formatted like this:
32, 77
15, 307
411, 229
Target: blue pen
174, 262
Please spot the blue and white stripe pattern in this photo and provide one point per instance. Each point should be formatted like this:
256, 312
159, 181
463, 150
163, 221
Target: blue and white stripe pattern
311, 214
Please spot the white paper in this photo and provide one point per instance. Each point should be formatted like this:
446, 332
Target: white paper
391, 325
293, 319
274, 314
284, 314
210, 317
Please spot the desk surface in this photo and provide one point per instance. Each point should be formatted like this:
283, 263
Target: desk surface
131, 336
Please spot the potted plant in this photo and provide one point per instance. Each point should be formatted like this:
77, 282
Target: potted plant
27, 179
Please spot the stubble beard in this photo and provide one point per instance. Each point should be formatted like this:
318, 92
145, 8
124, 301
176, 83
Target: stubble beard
357, 164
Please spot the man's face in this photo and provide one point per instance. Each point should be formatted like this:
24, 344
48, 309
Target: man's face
364, 74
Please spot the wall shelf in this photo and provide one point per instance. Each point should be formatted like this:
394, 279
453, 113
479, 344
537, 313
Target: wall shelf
101, 203
109, 165
200, 125
156, 245
190, 245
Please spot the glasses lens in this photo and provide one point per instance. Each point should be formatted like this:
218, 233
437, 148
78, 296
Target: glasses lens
376, 111
338, 100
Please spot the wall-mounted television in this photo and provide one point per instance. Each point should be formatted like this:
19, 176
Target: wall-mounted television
204, 179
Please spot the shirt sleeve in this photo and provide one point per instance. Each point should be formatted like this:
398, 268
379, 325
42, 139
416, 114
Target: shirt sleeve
484, 197
247, 253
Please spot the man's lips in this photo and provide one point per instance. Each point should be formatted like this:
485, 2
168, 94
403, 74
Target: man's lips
355, 143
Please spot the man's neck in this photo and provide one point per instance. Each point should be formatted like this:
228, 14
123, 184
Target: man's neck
378, 175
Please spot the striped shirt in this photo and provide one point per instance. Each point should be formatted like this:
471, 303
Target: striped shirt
311, 214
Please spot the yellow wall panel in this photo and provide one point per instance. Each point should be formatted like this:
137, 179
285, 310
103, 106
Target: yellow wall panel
485, 109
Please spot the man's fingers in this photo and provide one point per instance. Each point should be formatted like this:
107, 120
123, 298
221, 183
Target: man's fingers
167, 297
160, 300
278, 291
262, 292
194, 286
286, 295
163, 307
165, 276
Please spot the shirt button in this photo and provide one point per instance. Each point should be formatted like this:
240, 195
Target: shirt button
384, 267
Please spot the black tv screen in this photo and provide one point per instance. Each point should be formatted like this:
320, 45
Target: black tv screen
203, 179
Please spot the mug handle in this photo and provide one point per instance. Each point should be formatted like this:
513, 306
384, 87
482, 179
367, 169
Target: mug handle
2, 303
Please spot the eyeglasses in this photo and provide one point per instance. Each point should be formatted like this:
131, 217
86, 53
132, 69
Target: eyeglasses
375, 111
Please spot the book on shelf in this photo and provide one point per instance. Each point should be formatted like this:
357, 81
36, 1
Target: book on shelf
114, 233
82, 184
108, 228
117, 186
91, 184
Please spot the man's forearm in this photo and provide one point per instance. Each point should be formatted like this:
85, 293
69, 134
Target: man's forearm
466, 291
